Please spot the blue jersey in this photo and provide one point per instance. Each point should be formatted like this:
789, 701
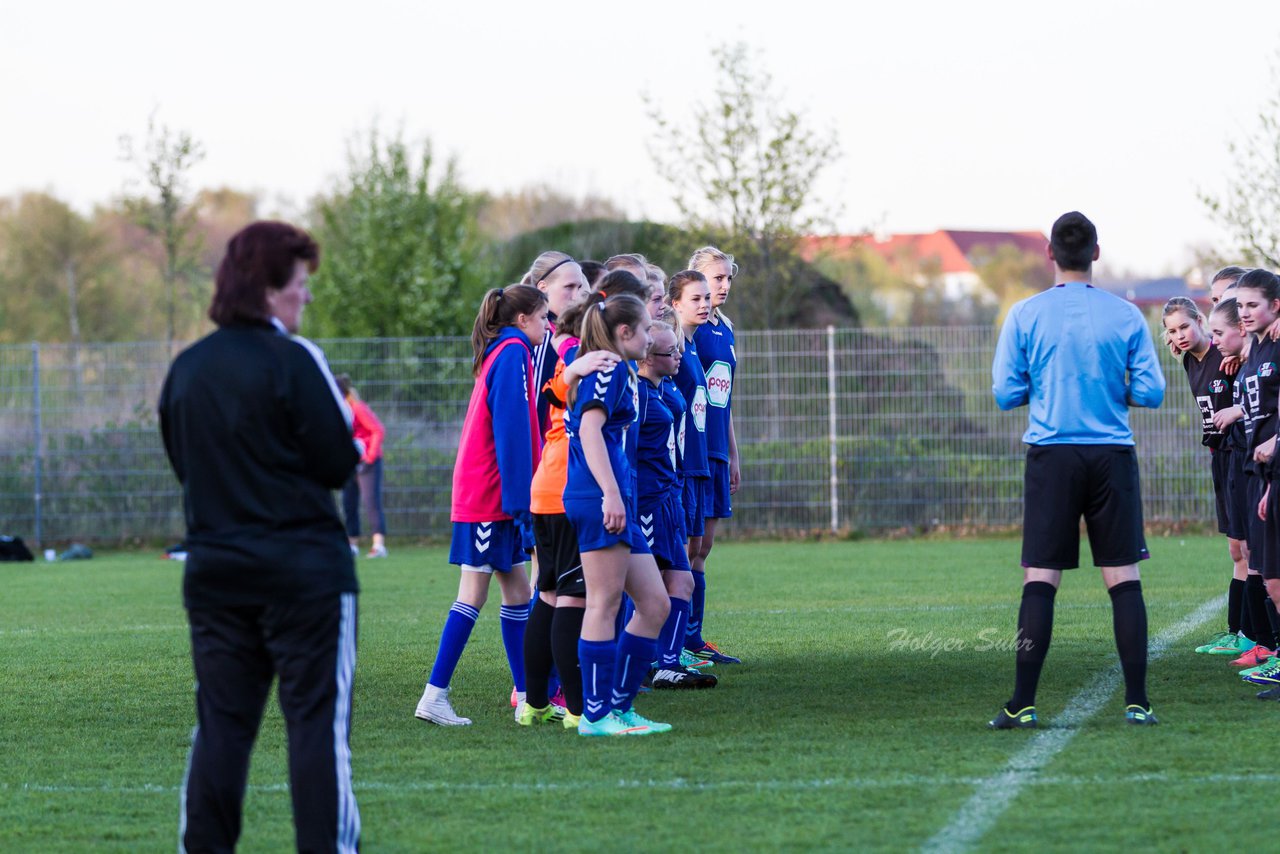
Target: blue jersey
675, 402
613, 390
656, 448
719, 362
692, 383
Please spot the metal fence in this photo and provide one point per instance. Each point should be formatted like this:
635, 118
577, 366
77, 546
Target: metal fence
844, 429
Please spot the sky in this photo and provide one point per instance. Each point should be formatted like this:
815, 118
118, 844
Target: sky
985, 115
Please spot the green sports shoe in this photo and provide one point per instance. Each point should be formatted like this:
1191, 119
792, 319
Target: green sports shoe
1249, 671
1135, 714
1267, 674
633, 718
571, 720
610, 725
1021, 719
691, 661
1218, 640
528, 715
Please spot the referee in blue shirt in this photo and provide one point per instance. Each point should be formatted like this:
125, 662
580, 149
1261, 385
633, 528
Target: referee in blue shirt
1078, 357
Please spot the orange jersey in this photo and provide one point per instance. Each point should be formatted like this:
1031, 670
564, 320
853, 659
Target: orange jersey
547, 490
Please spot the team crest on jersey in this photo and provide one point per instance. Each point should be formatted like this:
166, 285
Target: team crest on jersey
698, 409
1218, 386
1266, 369
719, 384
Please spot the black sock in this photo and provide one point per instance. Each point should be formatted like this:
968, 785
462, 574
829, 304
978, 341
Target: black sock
1255, 594
1273, 619
1235, 598
566, 628
1129, 618
1246, 615
1035, 628
537, 654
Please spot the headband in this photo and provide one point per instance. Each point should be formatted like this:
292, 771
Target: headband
555, 267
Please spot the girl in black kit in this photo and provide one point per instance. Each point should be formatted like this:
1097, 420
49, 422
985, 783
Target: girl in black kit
1211, 389
1257, 392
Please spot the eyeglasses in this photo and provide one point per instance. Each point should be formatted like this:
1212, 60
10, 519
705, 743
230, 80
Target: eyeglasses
670, 354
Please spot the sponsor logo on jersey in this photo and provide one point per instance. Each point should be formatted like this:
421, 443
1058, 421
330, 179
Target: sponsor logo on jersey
1266, 369
698, 409
1218, 386
719, 384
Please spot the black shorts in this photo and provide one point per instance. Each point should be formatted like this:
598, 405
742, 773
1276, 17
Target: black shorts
1271, 539
1255, 486
1065, 482
1220, 467
1237, 494
559, 564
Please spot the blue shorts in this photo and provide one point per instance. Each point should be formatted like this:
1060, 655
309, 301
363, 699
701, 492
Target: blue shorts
588, 521
719, 502
695, 504
662, 525
486, 546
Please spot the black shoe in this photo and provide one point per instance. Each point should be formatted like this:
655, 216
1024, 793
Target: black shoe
683, 677
1022, 719
1138, 716
1270, 694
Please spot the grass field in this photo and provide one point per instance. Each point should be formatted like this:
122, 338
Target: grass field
826, 738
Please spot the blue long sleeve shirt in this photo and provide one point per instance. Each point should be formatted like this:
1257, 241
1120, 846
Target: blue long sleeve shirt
1080, 357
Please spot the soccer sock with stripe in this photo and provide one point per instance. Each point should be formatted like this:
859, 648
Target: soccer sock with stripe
1129, 620
514, 620
1035, 628
671, 640
1255, 595
1235, 596
597, 660
453, 640
566, 628
537, 654
697, 604
635, 654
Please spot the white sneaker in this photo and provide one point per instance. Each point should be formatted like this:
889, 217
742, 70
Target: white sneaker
434, 706
518, 696
377, 551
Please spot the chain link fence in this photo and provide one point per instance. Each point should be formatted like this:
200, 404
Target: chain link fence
839, 429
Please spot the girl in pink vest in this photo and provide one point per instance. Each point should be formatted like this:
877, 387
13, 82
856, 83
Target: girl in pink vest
497, 455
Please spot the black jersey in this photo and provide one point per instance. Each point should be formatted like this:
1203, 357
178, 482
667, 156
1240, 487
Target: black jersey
1212, 390
1257, 393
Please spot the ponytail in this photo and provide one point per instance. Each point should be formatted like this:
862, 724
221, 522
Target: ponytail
600, 321
499, 309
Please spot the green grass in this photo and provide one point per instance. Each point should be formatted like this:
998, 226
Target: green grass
825, 739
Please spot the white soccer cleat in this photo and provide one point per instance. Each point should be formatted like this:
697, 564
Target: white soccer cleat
435, 707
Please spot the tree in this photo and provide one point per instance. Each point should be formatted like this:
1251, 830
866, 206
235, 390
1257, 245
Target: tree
400, 252
1249, 208
164, 161
1011, 274
508, 215
746, 167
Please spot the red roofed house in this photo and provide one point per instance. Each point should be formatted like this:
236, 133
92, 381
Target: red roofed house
947, 255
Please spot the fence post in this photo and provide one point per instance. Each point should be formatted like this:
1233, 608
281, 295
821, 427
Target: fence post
831, 427
39, 443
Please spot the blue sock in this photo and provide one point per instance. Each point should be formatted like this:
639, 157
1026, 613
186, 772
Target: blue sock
698, 604
596, 659
635, 654
514, 619
673, 633
453, 640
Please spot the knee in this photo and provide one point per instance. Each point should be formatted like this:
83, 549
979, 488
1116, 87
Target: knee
1236, 548
679, 584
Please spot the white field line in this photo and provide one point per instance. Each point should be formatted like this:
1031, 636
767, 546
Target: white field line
682, 785
995, 793
87, 630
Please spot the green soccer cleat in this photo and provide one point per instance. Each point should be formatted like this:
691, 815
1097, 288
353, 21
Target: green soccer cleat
527, 715
610, 725
633, 718
1021, 719
1138, 716
1218, 641
1267, 674
571, 720
691, 661
710, 652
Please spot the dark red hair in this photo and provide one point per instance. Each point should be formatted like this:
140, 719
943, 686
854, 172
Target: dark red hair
260, 256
